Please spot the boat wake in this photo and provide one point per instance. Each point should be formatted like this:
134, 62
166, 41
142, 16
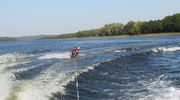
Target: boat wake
65, 55
165, 49
160, 89
41, 76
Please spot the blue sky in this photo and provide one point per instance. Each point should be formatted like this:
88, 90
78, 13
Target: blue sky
37, 17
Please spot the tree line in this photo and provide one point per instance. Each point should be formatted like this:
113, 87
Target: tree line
167, 24
8, 39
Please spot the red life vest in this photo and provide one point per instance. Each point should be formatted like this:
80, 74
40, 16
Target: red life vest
74, 52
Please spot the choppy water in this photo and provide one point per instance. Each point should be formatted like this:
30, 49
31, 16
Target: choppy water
129, 68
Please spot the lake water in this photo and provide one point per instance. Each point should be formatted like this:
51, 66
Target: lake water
122, 68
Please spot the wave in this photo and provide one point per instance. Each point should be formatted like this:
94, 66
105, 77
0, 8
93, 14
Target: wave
49, 81
7, 77
65, 55
161, 89
165, 49
6, 82
170, 93
9, 60
116, 51
43, 87
40, 88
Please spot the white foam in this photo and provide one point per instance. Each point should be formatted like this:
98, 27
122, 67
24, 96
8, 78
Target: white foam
88, 68
42, 87
47, 83
161, 90
8, 60
24, 69
64, 55
81, 54
5, 83
164, 49
171, 93
119, 51
7, 78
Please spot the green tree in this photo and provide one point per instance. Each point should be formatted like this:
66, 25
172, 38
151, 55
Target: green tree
128, 27
152, 27
112, 29
132, 27
137, 27
171, 23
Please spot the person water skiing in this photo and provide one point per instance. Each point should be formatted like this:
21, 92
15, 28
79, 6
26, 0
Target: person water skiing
75, 51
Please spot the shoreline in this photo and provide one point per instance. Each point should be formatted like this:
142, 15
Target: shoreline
137, 35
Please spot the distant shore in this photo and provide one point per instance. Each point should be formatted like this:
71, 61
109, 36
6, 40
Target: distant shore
151, 34
158, 34
137, 35
5, 39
